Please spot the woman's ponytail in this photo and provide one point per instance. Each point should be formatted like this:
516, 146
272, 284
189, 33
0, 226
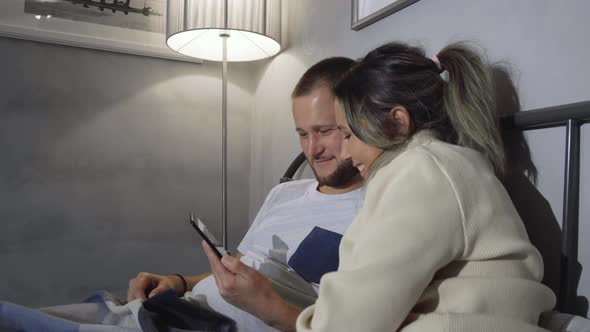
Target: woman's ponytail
461, 110
469, 103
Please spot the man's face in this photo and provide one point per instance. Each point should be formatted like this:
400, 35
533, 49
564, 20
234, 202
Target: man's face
320, 139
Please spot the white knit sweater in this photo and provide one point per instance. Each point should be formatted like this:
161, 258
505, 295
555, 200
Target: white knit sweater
438, 246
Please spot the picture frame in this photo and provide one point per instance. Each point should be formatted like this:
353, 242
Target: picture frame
367, 12
15, 23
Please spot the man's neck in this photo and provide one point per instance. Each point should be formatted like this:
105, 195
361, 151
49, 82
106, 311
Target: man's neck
353, 184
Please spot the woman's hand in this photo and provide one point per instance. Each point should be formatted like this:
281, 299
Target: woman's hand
250, 291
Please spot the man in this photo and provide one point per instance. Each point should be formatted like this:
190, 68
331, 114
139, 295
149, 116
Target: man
290, 212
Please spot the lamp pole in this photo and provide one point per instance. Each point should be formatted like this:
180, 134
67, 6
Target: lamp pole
224, 35
193, 28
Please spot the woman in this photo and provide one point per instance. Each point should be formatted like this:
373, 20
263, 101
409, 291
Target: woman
438, 245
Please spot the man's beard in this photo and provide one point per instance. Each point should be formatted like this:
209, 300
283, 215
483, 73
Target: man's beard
341, 177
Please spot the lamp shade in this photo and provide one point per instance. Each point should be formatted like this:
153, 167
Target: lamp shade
194, 28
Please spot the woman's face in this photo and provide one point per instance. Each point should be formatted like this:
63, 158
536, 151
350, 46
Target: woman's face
362, 154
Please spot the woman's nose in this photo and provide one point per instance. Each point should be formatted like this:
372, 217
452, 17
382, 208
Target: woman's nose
344, 154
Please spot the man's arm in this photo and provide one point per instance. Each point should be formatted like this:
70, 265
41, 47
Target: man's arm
250, 291
192, 281
155, 283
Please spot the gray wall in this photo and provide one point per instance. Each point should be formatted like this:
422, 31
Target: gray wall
545, 42
102, 155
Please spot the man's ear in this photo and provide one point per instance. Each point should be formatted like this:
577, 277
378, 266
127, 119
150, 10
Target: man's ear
400, 116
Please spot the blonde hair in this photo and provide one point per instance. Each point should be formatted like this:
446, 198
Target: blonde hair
461, 111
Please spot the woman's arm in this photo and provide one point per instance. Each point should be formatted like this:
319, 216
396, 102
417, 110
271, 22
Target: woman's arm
192, 281
251, 291
409, 227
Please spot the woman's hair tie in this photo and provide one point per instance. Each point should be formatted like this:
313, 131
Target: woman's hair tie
437, 63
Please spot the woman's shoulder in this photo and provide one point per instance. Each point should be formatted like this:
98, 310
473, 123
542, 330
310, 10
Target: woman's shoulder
431, 161
429, 152
425, 149
417, 165
462, 164
457, 161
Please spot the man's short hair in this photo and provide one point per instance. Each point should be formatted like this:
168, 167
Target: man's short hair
326, 72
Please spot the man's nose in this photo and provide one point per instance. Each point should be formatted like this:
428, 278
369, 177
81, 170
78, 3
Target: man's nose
315, 146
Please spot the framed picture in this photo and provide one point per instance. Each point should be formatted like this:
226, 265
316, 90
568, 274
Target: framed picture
125, 26
367, 12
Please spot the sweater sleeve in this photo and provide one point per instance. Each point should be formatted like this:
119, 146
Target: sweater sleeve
410, 226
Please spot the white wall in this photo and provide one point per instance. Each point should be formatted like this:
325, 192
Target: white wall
545, 42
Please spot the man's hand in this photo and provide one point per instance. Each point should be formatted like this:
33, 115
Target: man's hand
250, 291
153, 283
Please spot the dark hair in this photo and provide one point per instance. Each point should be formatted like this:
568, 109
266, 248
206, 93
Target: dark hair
326, 72
461, 111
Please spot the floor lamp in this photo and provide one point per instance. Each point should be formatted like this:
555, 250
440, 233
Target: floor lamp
224, 30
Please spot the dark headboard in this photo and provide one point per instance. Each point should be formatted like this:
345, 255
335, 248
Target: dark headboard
572, 116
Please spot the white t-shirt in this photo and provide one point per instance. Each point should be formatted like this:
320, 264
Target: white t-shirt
289, 213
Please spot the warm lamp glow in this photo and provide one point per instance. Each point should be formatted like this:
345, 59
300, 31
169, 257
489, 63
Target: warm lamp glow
253, 27
208, 45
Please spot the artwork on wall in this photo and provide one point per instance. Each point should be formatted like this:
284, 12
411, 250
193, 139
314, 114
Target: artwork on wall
366, 12
126, 26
